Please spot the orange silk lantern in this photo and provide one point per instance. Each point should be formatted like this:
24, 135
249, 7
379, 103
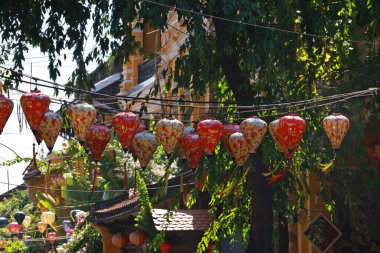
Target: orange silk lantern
336, 127
227, 131
169, 131
239, 148
125, 125
120, 240
81, 116
192, 145
253, 130
290, 132
181, 151
6, 107
97, 138
14, 228
273, 129
165, 247
138, 237
144, 144
50, 128
210, 131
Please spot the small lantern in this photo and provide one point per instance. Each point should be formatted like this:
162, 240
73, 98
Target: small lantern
14, 228
81, 116
169, 131
165, 247
253, 130
26, 222
138, 237
66, 224
336, 127
210, 131
48, 217
145, 144
125, 125
3, 242
3, 222
73, 214
50, 128
41, 227
51, 236
19, 217
192, 145
290, 132
6, 107
120, 240
227, 131
239, 148
273, 129
97, 138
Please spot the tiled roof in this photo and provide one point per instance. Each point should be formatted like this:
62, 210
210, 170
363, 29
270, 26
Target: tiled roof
181, 220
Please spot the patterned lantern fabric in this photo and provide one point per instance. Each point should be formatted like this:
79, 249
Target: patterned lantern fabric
336, 127
273, 129
169, 131
239, 147
181, 151
253, 130
81, 116
97, 138
227, 131
6, 107
125, 125
192, 145
34, 105
290, 132
50, 128
38, 136
210, 131
51, 236
145, 144
141, 128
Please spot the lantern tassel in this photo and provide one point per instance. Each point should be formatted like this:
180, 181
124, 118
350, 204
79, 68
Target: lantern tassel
135, 186
125, 177
94, 181
181, 183
279, 176
201, 183
326, 166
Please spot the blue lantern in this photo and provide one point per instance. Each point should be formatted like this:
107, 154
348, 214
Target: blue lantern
3, 222
66, 224
19, 217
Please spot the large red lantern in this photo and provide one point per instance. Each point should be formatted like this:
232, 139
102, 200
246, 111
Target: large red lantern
290, 132
253, 130
50, 128
181, 151
14, 228
169, 131
144, 144
192, 145
125, 125
273, 129
210, 131
38, 136
138, 237
81, 116
6, 107
336, 127
239, 148
120, 240
227, 131
34, 105
165, 247
97, 138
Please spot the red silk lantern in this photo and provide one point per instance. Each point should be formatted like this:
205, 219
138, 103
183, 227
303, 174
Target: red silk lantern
181, 151
50, 128
210, 131
253, 130
239, 147
192, 145
34, 105
227, 131
97, 138
336, 127
14, 228
165, 247
51, 236
81, 116
290, 132
125, 125
169, 131
38, 136
138, 237
144, 144
273, 129
120, 240
6, 107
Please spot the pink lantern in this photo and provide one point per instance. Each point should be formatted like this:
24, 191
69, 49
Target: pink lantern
336, 127
81, 116
227, 131
181, 151
253, 130
14, 228
97, 138
51, 236
144, 144
6, 107
192, 145
290, 132
169, 131
273, 129
210, 131
125, 125
239, 148
50, 128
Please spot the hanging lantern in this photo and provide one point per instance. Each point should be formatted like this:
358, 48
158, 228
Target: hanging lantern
289, 133
66, 224
3, 242
210, 131
141, 128
227, 131
125, 125
336, 127
192, 145
169, 131
145, 144
38, 136
14, 228
48, 217
50, 128
41, 227
34, 105
51, 236
253, 130
97, 138
273, 129
138, 237
6, 107
26, 222
3, 222
181, 151
239, 148
120, 240
19, 217
73, 214
165, 247
81, 116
